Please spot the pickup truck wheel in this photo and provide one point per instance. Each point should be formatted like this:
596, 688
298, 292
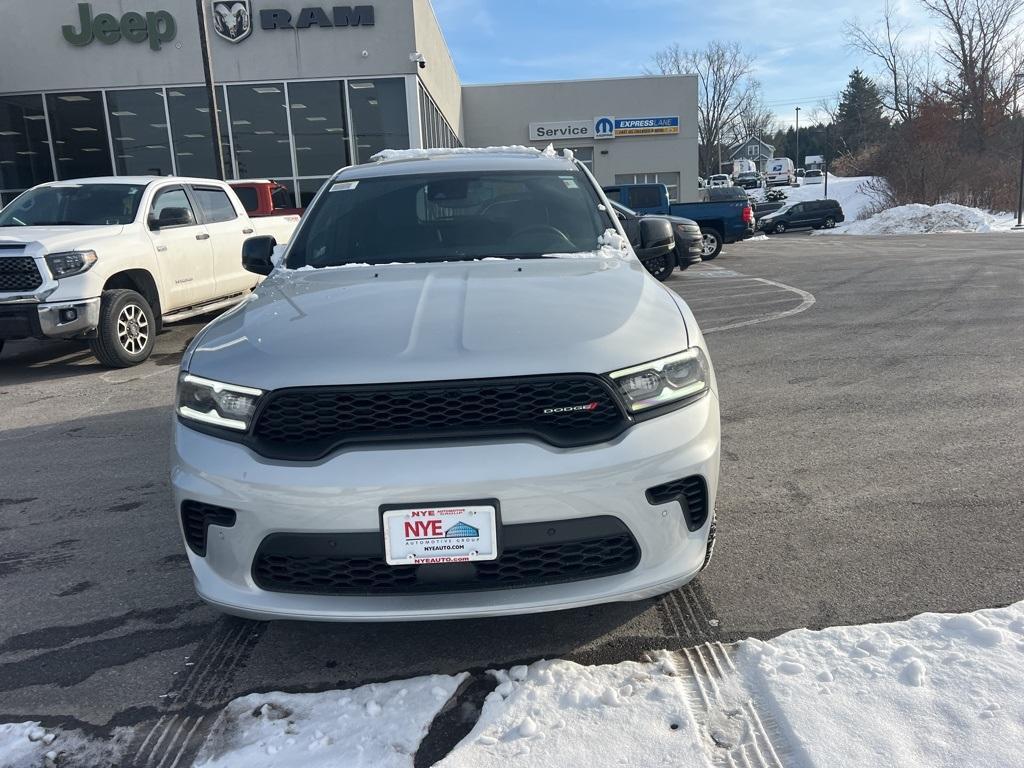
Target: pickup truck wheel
712, 244
127, 329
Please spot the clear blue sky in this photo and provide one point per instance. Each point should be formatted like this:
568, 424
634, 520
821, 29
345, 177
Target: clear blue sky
801, 56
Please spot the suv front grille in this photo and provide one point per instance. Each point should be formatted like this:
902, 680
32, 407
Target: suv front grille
565, 411
19, 273
534, 554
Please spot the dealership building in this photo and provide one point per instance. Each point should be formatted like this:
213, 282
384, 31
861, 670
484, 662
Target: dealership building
116, 87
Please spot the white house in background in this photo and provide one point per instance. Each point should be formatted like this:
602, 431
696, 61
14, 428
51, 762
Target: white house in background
755, 150
814, 163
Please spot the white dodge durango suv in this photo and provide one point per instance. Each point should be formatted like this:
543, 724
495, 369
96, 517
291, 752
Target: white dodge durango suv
457, 393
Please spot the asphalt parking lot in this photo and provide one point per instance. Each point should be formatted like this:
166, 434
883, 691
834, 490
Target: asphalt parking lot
872, 394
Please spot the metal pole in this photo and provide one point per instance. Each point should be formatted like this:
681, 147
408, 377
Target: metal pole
211, 89
798, 137
1020, 188
828, 142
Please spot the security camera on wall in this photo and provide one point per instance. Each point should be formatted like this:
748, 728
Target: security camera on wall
419, 58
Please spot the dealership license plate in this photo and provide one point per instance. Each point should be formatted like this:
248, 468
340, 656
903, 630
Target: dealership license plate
449, 534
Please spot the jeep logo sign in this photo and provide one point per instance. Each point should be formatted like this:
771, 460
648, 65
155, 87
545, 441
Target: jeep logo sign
158, 27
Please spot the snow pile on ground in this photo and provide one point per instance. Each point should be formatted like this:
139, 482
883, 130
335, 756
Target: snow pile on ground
918, 219
850, 191
376, 726
942, 691
936, 691
29, 745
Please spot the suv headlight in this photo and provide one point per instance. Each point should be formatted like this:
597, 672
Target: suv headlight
670, 380
71, 263
215, 403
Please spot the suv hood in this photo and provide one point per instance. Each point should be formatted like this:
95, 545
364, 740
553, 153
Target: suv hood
57, 239
420, 322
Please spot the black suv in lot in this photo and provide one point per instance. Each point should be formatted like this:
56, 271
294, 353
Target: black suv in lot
816, 214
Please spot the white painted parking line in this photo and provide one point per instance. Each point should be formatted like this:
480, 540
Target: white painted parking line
743, 284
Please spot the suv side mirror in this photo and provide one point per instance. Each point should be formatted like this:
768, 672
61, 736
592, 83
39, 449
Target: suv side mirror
172, 217
258, 254
656, 237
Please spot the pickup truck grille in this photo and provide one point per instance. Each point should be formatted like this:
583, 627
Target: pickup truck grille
565, 411
18, 273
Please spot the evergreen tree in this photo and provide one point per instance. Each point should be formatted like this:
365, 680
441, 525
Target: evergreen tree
860, 121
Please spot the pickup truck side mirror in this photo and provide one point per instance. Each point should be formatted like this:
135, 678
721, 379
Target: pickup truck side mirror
172, 217
258, 254
656, 237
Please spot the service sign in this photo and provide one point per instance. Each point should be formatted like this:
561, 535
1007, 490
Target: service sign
563, 129
434, 535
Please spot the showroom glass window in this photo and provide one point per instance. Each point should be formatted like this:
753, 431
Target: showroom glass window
190, 131
138, 129
24, 150
379, 116
319, 126
79, 133
259, 127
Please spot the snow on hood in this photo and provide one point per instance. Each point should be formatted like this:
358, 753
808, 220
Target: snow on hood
419, 154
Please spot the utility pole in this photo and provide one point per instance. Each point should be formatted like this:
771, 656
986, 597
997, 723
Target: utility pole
828, 149
1020, 190
211, 90
798, 137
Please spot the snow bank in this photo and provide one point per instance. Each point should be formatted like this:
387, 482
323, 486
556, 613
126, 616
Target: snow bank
29, 745
850, 191
942, 691
918, 219
376, 726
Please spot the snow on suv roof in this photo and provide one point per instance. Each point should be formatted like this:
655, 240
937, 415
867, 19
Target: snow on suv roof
395, 162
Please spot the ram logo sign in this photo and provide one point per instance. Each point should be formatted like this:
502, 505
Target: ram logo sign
232, 19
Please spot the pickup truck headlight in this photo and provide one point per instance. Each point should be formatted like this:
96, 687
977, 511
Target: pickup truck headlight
71, 263
664, 382
215, 403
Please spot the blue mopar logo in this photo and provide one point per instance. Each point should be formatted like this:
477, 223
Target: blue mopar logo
462, 531
604, 126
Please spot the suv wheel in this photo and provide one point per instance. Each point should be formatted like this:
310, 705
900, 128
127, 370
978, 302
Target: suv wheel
712, 531
780, 228
712, 244
830, 223
127, 329
662, 267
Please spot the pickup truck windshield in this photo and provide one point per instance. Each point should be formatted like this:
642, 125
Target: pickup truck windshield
74, 205
449, 217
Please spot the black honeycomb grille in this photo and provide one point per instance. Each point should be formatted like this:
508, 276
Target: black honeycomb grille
690, 492
196, 518
19, 273
565, 411
313, 564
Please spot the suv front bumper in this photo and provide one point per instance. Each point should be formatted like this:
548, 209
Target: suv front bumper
533, 482
57, 320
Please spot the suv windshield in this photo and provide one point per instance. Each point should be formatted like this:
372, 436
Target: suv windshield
449, 217
74, 205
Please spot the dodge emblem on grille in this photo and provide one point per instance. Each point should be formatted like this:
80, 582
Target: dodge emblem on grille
572, 409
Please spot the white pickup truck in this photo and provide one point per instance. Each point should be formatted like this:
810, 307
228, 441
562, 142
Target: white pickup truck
110, 260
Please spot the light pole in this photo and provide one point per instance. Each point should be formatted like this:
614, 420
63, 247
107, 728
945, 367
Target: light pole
798, 137
211, 91
1020, 190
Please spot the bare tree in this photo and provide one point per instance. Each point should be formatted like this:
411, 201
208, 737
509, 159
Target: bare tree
725, 88
754, 119
905, 68
980, 48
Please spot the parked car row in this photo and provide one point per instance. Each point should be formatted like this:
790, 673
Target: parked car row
810, 214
